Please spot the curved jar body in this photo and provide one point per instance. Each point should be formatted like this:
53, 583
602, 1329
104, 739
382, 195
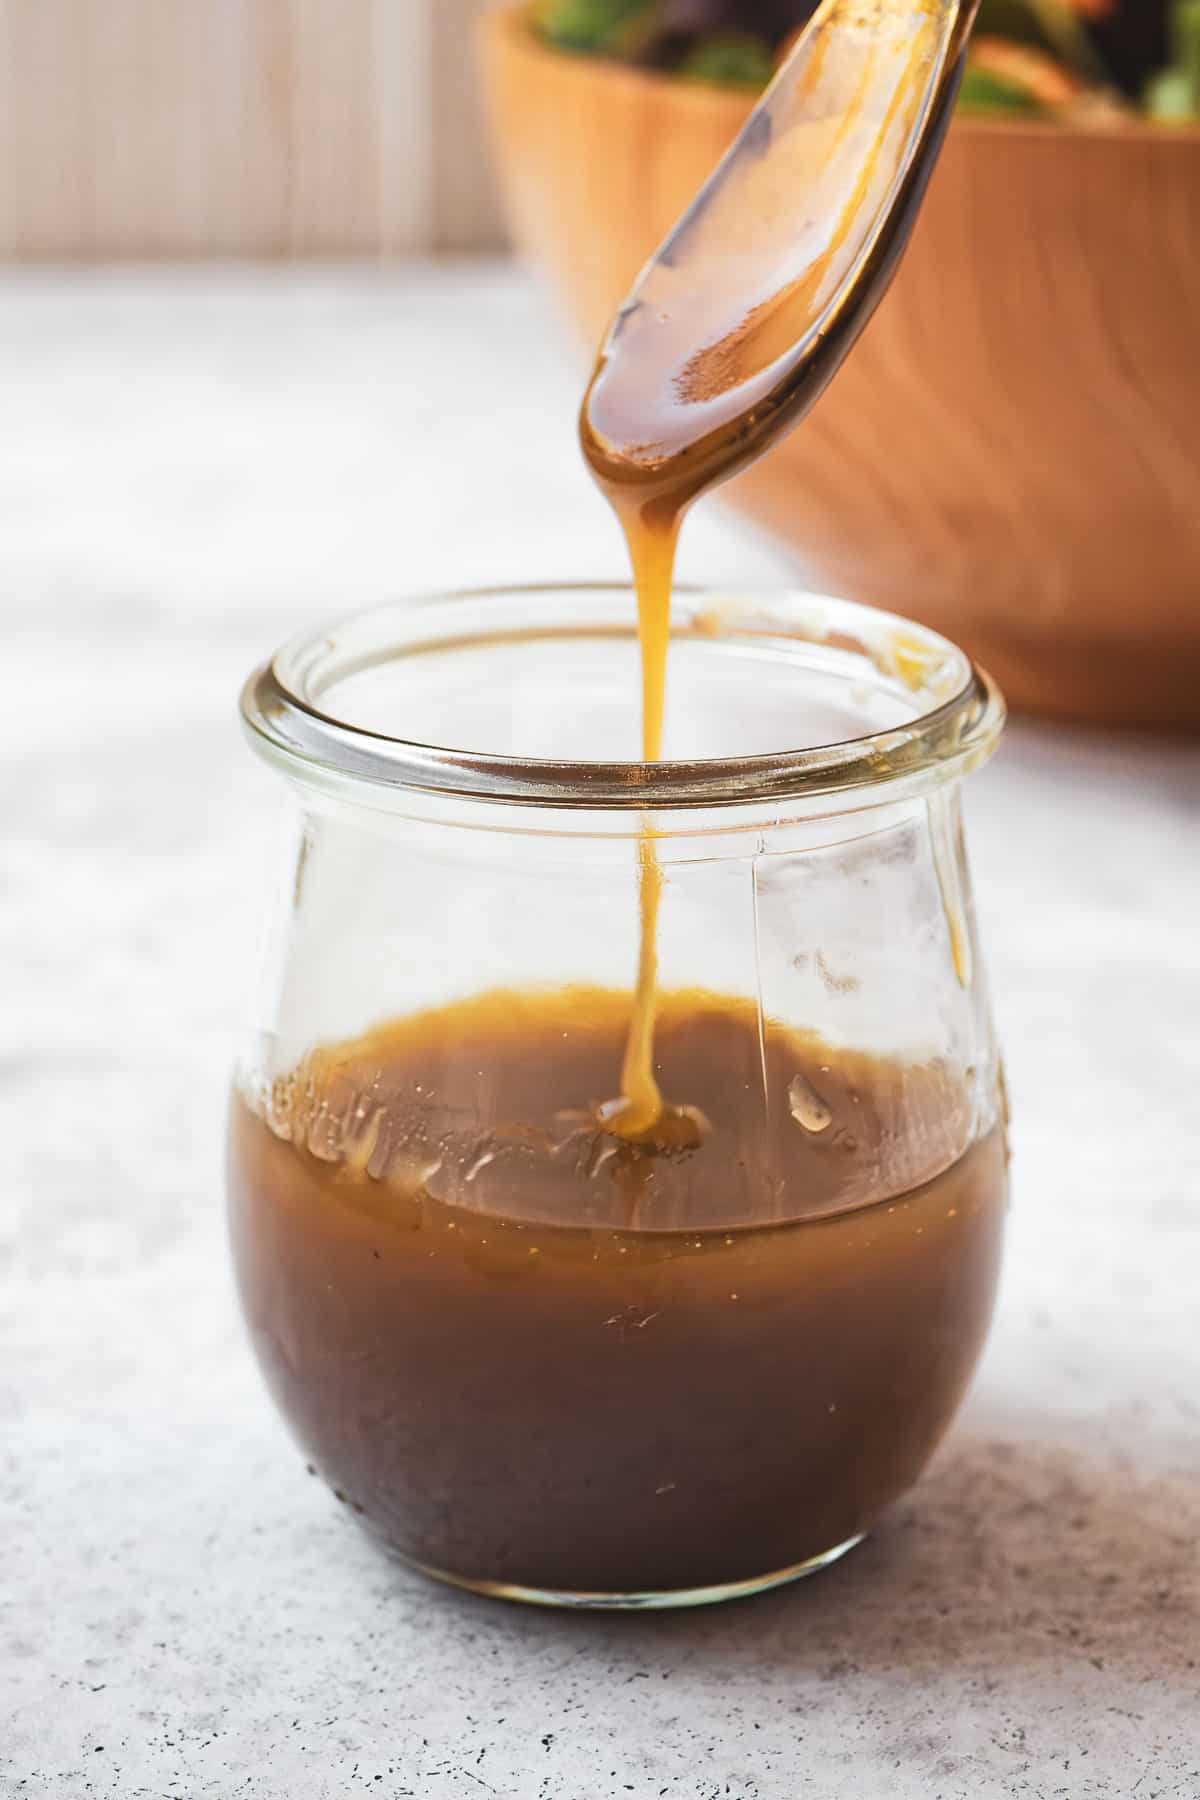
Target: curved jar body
530, 1356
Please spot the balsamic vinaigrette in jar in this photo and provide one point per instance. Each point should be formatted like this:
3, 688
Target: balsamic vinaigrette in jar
573, 1292
535, 1355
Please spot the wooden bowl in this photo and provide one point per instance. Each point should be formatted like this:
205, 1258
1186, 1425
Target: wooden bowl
1012, 454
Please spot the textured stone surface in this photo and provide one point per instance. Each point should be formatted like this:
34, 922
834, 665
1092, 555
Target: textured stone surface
189, 467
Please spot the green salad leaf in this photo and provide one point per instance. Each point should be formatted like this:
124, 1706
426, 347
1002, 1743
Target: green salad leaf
601, 26
1174, 95
986, 92
735, 60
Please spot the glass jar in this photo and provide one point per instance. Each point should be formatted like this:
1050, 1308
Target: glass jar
534, 1358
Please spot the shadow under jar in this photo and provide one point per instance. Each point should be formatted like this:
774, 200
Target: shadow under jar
533, 1358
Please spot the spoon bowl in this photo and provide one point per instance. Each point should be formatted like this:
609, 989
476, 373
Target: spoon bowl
747, 310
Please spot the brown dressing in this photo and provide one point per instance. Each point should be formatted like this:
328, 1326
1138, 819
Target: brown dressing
508, 1381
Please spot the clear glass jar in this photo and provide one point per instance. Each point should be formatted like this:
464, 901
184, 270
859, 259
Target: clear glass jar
535, 1359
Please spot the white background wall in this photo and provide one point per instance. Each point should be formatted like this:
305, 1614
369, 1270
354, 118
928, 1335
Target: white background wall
240, 127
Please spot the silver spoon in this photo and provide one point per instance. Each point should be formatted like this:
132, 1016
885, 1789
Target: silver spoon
745, 313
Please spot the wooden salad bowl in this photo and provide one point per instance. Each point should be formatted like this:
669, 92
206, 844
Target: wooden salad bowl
1012, 454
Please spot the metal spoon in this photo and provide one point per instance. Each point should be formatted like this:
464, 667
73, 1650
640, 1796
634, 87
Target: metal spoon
744, 315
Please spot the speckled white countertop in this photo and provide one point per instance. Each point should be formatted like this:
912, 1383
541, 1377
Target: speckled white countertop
190, 467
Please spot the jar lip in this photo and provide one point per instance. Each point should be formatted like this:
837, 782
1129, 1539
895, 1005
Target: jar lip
960, 711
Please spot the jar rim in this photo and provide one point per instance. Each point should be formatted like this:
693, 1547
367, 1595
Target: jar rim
958, 716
